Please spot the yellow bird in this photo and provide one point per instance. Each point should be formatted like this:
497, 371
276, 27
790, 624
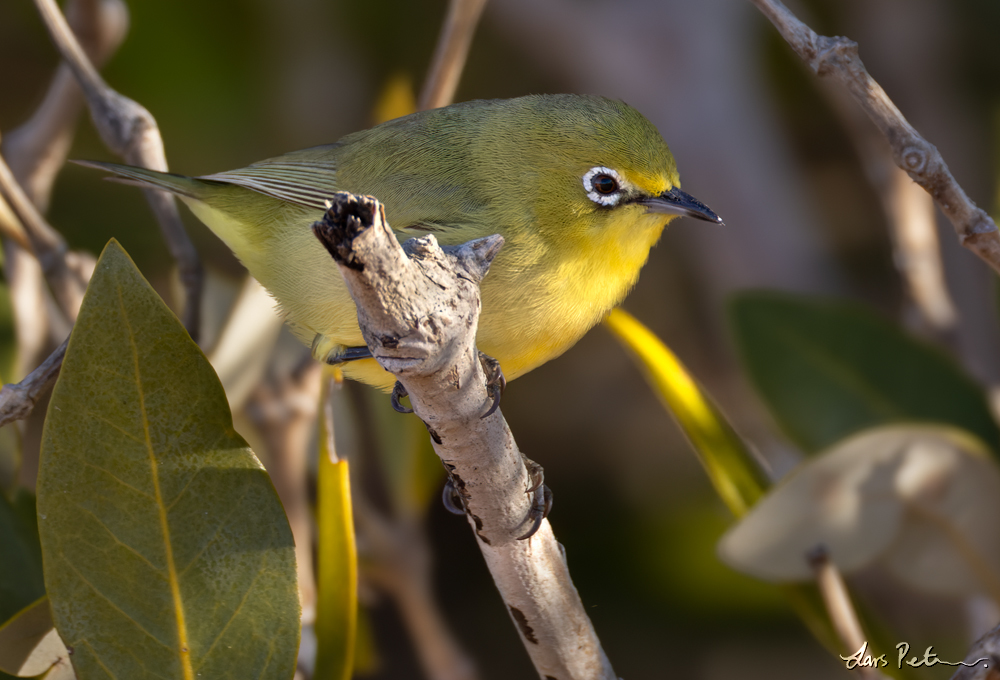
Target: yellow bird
580, 187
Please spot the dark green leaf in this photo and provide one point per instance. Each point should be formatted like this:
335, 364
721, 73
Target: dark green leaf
166, 551
10, 458
21, 566
827, 369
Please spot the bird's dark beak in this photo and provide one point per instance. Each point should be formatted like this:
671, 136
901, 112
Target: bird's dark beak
676, 202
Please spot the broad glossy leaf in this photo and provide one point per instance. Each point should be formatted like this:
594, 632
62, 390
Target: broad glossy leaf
21, 562
337, 560
734, 471
922, 500
166, 551
829, 369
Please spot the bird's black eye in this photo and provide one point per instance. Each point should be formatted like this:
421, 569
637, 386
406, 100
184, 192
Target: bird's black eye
604, 184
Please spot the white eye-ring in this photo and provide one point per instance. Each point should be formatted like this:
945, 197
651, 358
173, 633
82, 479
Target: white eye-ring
604, 186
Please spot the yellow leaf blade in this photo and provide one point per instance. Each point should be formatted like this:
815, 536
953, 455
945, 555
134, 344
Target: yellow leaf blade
733, 469
337, 564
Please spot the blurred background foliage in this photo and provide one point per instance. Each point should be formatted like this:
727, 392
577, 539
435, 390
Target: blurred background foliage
755, 136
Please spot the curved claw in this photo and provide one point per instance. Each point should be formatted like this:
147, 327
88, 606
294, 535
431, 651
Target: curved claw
540, 509
536, 473
495, 381
398, 392
495, 393
541, 501
451, 499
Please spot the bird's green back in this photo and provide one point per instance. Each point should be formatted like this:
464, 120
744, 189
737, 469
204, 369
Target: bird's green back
512, 167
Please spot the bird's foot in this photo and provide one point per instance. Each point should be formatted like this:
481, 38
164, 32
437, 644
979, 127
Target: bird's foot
496, 383
398, 392
541, 502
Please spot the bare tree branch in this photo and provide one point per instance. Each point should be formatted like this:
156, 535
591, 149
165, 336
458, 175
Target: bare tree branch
419, 316
837, 58
285, 415
451, 53
130, 131
910, 213
17, 401
10, 226
63, 270
839, 607
37, 150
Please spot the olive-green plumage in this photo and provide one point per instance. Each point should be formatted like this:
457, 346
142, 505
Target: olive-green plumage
580, 187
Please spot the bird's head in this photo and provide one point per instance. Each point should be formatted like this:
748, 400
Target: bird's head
604, 177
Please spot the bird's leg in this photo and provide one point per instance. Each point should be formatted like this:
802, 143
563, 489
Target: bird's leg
347, 354
496, 383
541, 502
344, 355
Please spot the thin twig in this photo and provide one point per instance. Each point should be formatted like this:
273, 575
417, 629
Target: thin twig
418, 310
10, 226
18, 400
918, 251
130, 131
62, 269
36, 151
909, 212
245, 345
837, 58
838, 606
451, 53
398, 554
285, 415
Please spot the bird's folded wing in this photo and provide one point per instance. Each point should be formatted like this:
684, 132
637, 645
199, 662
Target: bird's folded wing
307, 177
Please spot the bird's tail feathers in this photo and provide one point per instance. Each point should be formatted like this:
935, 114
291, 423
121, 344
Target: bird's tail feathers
129, 174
